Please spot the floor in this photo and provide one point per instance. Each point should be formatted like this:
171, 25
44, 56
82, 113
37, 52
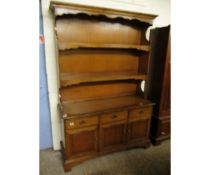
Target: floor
151, 161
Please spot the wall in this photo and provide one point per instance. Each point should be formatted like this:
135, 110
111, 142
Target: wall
45, 133
159, 7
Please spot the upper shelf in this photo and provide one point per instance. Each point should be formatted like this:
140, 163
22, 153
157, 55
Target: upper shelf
67, 46
68, 79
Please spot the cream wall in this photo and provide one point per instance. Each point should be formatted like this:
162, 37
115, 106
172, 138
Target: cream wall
159, 7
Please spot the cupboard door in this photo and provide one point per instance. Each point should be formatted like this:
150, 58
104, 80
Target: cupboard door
138, 130
112, 136
80, 142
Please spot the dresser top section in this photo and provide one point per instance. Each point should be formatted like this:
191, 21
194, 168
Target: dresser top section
61, 9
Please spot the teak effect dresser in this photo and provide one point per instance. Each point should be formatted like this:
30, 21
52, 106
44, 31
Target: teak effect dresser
103, 57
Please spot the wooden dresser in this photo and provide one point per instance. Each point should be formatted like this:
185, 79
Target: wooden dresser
158, 83
103, 57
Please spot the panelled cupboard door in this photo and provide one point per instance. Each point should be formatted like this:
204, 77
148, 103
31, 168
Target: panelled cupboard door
81, 141
139, 124
138, 130
112, 136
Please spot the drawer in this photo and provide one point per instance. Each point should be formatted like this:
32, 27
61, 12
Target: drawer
140, 113
112, 117
165, 127
81, 122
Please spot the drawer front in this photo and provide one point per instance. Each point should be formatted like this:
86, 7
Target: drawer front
165, 127
112, 117
81, 122
140, 113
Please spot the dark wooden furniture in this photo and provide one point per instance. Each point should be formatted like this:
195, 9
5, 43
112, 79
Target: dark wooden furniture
103, 56
158, 83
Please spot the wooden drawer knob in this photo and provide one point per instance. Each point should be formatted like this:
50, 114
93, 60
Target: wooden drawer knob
114, 116
82, 122
140, 112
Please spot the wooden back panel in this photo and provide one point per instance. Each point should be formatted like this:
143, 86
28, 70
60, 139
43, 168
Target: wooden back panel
95, 31
143, 63
99, 30
91, 61
97, 90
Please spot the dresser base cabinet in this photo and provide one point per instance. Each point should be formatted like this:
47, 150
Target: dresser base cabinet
89, 137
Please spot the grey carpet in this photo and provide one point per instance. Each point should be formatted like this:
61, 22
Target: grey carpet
152, 161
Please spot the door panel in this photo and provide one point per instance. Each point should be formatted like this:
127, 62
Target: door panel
81, 141
138, 130
112, 135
